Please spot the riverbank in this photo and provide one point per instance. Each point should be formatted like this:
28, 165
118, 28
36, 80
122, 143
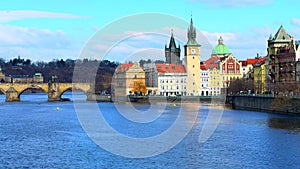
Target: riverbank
169, 99
279, 104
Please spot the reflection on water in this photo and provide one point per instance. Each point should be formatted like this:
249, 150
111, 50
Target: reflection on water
34, 134
75, 96
289, 123
41, 97
2, 98
34, 97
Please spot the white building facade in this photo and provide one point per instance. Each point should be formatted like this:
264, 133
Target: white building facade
204, 80
171, 79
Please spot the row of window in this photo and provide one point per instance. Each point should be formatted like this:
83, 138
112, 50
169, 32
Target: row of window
231, 78
167, 68
172, 88
216, 92
231, 72
214, 72
171, 81
172, 93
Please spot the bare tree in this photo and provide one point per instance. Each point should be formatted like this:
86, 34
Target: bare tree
238, 85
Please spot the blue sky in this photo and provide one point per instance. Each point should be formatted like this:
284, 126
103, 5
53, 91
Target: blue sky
46, 30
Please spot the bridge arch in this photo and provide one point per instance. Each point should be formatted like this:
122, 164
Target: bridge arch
3, 93
42, 87
22, 91
2, 90
54, 91
30, 87
72, 89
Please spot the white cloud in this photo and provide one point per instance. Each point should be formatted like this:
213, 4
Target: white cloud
214, 36
32, 37
295, 21
243, 45
149, 53
129, 47
36, 44
295, 32
6, 16
233, 3
43, 44
129, 44
95, 28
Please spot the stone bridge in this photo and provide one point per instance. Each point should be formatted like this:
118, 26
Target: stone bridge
53, 90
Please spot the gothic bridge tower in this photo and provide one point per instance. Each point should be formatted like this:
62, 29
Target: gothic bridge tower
172, 53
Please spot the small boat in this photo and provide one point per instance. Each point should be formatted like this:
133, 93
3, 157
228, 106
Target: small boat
138, 99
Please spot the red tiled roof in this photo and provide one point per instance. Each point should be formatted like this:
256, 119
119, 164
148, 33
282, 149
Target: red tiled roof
212, 62
170, 68
259, 61
251, 61
211, 66
124, 67
262, 59
203, 67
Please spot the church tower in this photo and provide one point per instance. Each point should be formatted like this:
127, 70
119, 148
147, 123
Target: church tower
192, 62
281, 53
172, 53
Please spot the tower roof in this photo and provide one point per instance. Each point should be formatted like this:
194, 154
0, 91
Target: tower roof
172, 44
191, 34
221, 48
281, 35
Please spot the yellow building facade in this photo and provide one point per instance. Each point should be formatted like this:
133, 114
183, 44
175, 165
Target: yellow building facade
129, 79
260, 74
192, 63
215, 84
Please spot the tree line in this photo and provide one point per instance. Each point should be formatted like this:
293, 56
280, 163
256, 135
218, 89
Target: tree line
63, 70
277, 89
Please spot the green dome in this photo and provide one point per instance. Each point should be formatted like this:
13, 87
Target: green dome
220, 49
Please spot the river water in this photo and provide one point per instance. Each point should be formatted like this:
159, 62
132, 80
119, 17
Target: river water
35, 133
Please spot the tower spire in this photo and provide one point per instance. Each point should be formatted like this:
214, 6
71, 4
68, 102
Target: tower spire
191, 34
172, 44
172, 53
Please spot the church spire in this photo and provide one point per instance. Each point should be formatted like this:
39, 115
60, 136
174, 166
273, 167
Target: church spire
172, 53
172, 44
191, 34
